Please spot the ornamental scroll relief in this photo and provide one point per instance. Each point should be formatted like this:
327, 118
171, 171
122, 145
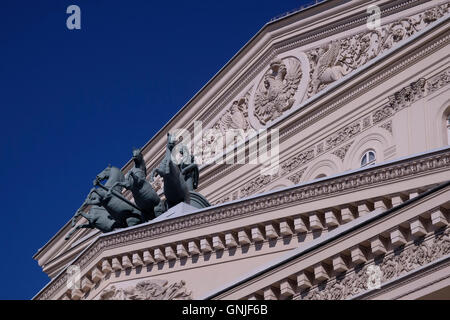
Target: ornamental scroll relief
338, 58
148, 290
392, 265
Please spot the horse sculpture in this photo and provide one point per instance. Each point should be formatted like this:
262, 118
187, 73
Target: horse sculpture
144, 196
113, 202
108, 211
189, 169
175, 188
97, 217
190, 174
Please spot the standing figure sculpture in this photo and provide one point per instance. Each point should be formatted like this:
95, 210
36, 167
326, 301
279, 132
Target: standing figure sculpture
144, 196
188, 169
175, 188
189, 173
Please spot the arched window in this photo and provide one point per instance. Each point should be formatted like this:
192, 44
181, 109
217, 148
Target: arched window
368, 158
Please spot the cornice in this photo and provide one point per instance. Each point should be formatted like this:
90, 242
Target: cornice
382, 174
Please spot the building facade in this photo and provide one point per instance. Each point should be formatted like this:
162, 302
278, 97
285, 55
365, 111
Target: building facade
359, 203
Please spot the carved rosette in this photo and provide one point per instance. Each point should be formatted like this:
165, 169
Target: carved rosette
279, 87
148, 290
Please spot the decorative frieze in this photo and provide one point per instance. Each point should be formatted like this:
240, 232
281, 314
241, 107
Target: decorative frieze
387, 126
149, 290
439, 81
296, 161
366, 122
233, 126
296, 177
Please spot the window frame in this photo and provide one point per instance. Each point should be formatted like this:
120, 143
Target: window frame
366, 155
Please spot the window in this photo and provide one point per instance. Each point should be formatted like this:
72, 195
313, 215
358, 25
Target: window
448, 129
368, 158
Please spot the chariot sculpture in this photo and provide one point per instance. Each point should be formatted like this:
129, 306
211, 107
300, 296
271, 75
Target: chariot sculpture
108, 209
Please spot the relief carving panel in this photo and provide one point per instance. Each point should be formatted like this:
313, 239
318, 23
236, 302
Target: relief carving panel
338, 58
148, 290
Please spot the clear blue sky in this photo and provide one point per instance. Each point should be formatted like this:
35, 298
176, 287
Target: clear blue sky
74, 101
